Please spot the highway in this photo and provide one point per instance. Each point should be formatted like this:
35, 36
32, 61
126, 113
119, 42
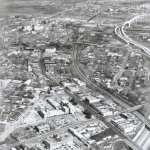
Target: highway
119, 30
102, 91
43, 136
94, 112
88, 82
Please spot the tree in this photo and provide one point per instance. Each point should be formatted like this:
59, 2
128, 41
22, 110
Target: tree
73, 102
89, 115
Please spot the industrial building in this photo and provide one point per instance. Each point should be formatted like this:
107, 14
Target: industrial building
42, 128
91, 99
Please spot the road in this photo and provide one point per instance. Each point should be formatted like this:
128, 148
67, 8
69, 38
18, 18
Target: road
13, 126
119, 74
92, 44
43, 136
88, 82
20, 119
94, 86
128, 110
119, 30
52, 80
94, 112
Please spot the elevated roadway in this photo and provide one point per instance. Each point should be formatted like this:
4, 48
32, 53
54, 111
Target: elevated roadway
119, 30
94, 112
128, 110
79, 72
94, 86
126, 139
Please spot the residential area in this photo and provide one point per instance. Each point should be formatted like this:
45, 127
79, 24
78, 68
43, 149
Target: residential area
75, 75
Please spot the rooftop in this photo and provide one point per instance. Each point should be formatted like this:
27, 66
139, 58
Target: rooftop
100, 136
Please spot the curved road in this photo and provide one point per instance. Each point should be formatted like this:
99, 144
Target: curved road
91, 84
119, 30
122, 35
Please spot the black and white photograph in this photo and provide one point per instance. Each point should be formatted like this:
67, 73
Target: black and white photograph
74, 74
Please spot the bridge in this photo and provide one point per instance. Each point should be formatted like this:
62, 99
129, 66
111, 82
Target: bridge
128, 110
134, 20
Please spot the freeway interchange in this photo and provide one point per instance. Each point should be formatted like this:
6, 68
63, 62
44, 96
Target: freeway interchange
119, 30
98, 116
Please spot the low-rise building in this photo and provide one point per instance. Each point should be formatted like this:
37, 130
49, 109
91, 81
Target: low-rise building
105, 112
54, 104
105, 135
124, 125
49, 51
91, 99
126, 128
41, 128
13, 148
76, 133
73, 88
70, 107
79, 82
51, 144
